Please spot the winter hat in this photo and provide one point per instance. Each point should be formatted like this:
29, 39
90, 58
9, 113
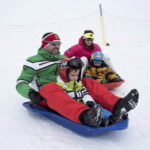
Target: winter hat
49, 37
88, 36
66, 64
97, 57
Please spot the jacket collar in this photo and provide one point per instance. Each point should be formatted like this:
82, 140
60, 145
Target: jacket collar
47, 55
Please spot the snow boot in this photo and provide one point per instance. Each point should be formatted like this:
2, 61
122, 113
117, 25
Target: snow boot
105, 122
124, 105
92, 117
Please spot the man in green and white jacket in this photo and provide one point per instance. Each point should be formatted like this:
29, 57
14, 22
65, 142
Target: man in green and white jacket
43, 67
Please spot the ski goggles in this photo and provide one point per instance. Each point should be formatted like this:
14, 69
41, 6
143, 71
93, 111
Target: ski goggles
97, 62
54, 43
89, 39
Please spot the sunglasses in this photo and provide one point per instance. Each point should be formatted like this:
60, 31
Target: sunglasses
89, 39
54, 43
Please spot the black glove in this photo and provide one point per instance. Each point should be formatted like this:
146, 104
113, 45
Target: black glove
35, 97
114, 80
105, 122
90, 103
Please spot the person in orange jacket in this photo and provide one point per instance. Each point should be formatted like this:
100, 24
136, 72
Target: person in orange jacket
99, 70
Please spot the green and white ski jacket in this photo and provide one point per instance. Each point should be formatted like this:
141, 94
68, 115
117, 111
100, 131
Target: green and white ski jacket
43, 68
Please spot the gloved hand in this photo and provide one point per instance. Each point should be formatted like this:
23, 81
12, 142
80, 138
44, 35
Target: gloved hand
104, 81
35, 97
105, 122
114, 80
90, 103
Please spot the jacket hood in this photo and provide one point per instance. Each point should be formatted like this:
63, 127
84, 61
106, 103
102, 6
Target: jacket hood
81, 41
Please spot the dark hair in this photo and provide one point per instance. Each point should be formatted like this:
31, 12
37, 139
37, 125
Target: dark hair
88, 31
46, 34
84, 44
71, 69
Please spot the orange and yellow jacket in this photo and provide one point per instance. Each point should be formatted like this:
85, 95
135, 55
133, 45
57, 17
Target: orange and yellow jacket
100, 73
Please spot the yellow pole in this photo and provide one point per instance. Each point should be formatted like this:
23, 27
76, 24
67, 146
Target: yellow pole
102, 27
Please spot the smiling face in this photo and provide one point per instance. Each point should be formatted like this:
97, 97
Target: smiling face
88, 42
51, 43
73, 74
53, 49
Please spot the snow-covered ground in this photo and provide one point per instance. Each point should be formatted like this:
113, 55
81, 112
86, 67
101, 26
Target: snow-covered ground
129, 37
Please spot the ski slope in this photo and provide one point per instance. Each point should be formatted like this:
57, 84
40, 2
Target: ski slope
129, 50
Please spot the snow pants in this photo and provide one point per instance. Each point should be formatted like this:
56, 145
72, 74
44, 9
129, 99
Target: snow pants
59, 101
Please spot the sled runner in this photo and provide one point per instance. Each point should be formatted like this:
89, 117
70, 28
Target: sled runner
81, 129
113, 85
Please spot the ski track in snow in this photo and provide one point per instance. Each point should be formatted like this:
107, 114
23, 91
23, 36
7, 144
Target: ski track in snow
24, 130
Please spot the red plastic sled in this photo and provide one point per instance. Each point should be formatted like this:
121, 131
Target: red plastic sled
113, 85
